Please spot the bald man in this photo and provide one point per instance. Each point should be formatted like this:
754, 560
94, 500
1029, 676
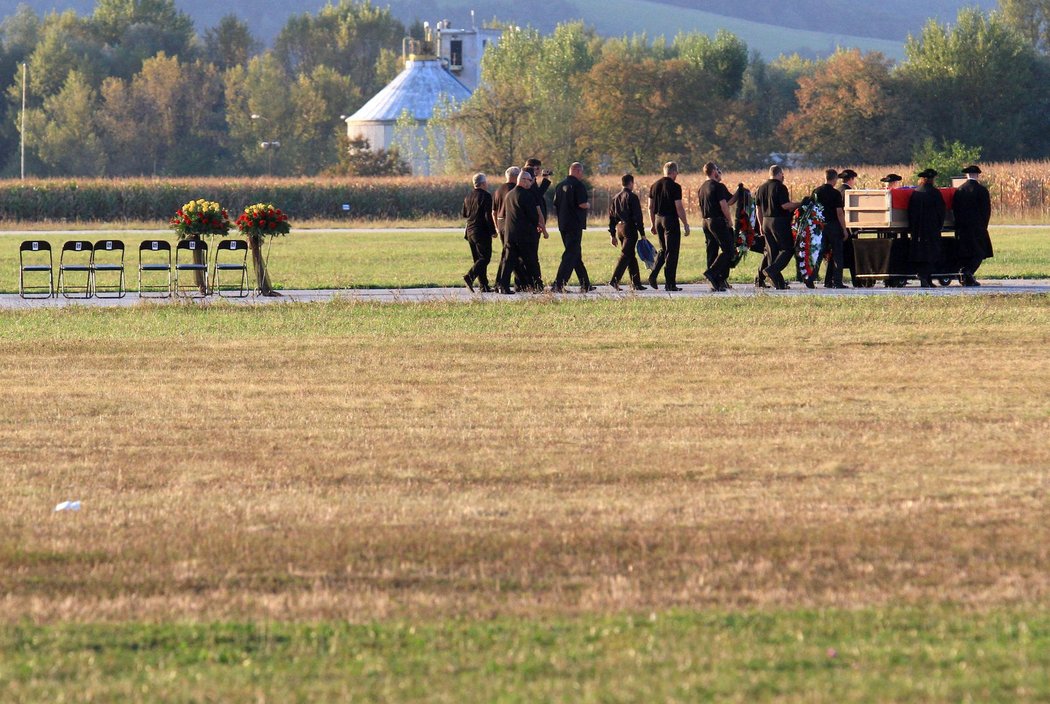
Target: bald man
571, 204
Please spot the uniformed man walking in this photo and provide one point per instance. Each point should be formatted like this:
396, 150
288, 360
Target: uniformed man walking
835, 232
774, 208
626, 226
477, 209
973, 210
511, 181
571, 204
524, 223
714, 199
667, 214
925, 222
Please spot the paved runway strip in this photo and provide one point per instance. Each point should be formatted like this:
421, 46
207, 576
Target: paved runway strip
462, 295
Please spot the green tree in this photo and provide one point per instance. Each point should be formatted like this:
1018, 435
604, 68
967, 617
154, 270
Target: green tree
492, 122
357, 158
166, 121
135, 30
724, 58
347, 37
65, 44
977, 81
947, 160
64, 132
1030, 18
230, 43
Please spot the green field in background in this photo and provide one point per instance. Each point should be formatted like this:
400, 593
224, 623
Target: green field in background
321, 259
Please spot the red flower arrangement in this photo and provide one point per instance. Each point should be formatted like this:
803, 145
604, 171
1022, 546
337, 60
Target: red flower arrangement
263, 219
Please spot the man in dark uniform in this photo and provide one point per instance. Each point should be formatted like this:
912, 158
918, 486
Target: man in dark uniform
891, 181
849, 181
973, 210
669, 224
540, 183
774, 208
925, 221
714, 199
481, 228
511, 175
625, 227
524, 223
830, 199
571, 204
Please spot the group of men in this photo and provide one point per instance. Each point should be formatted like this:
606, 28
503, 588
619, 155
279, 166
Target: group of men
517, 214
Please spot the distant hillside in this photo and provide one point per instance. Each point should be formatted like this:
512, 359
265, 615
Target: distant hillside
811, 27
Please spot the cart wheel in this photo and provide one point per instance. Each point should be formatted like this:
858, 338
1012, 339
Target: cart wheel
946, 280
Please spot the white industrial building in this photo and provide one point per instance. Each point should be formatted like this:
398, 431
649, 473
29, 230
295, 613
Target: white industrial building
445, 68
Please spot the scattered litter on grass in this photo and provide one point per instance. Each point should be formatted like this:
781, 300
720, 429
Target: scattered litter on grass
68, 506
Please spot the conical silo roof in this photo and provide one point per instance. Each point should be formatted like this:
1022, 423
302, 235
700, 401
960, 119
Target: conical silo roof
416, 89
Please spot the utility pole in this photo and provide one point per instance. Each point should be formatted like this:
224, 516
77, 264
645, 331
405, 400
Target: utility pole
22, 130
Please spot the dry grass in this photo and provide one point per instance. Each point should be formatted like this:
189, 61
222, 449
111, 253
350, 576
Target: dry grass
359, 462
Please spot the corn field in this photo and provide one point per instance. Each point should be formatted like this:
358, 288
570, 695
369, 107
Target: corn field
1020, 192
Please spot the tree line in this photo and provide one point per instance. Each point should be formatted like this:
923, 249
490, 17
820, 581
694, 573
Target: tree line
133, 89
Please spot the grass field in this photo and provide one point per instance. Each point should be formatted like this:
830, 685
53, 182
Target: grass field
574, 501
311, 259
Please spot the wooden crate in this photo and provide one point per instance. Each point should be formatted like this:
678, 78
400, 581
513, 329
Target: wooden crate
872, 208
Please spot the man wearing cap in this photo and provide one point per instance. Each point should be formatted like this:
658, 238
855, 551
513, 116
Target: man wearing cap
849, 181
626, 226
481, 228
972, 206
524, 223
669, 224
891, 181
925, 221
714, 199
571, 204
831, 201
774, 208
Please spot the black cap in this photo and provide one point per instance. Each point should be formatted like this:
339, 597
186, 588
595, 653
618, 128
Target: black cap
928, 173
848, 174
891, 178
972, 169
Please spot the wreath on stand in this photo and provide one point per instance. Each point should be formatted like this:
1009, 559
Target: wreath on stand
807, 228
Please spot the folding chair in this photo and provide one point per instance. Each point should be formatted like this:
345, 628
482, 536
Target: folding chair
241, 266
34, 291
76, 250
108, 249
191, 247
153, 250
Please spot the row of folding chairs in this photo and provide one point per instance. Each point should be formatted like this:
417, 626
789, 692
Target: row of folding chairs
87, 269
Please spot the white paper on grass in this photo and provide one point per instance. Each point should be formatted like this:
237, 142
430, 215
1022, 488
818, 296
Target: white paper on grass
68, 506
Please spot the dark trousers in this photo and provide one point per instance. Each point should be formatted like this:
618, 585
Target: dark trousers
514, 266
971, 265
628, 261
833, 245
669, 232
481, 251
523, 256
717, 230
572, 259
779, 247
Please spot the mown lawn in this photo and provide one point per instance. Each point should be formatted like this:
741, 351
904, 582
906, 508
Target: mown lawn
834, 656
274, 497
311, 259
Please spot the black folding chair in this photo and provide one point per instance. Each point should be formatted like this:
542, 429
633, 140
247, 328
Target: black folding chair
191, 248
157, 259
38, 247
76, 250
238, 264
108, 256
